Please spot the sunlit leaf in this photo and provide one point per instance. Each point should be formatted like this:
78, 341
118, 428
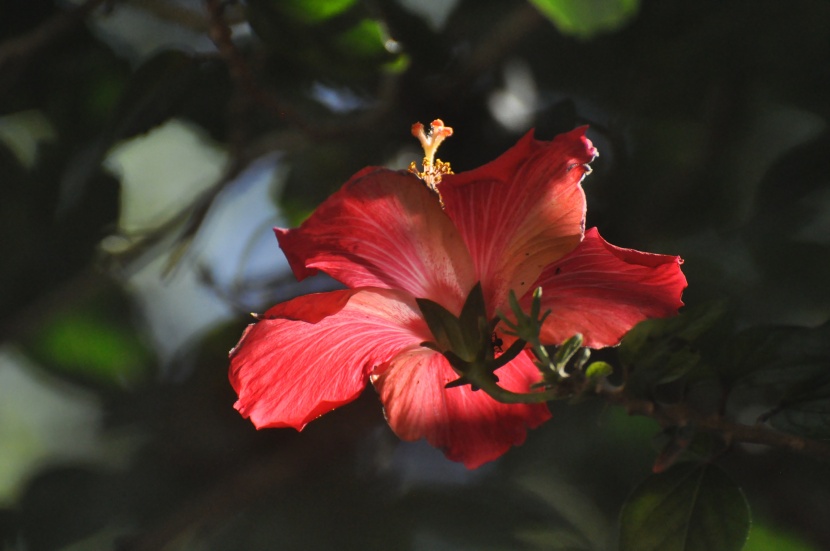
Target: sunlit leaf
690, 507
311, 11
93, 342
585, 18
364, 39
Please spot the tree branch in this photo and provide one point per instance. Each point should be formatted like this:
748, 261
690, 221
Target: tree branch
16, 54
682, 415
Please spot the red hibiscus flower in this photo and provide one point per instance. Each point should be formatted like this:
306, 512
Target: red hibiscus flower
516, 223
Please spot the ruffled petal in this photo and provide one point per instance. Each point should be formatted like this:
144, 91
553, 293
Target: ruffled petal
470, 427
384, 229
602, 291
522, 211
314, 353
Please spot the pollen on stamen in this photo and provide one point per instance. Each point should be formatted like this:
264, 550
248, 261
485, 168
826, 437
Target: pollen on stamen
433, 169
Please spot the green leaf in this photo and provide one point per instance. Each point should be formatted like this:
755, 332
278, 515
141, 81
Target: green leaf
779, 356
807, 416
586, 18
364, 39
664, 350
690, 507
93, 342
312, 11
764, 538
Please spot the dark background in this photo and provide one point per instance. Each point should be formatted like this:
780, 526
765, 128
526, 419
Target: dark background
142, 167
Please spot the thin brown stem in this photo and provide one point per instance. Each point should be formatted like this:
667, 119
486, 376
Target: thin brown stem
671, 415
17, 53
682, 415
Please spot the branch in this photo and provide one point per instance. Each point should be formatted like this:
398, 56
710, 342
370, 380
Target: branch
673, 415
17, 53
682, 415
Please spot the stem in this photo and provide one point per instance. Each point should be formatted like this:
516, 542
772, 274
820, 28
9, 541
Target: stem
484, 381
681, 414
669, 416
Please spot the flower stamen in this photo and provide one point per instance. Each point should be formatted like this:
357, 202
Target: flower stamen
433, 169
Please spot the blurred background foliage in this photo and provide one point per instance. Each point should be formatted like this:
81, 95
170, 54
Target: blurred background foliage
148, 146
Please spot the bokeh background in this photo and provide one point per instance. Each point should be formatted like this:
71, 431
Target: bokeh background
147, 147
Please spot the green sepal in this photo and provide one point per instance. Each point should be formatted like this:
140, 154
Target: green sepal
467, 336
581, 358
566, 350
474, 326
445, 327
461, 381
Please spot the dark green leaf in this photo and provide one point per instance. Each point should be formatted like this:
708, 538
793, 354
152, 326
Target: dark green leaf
690, 507
664, 350
807, 415
782, 356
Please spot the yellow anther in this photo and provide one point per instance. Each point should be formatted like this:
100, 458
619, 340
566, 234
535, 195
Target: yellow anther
433, 169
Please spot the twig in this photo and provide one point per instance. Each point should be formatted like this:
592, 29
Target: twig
243, 78
682, 415
15, 54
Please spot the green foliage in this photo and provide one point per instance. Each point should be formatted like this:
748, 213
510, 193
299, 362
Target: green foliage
312, 11
94, 342
763, 537
337, 41
586, 18
791, 365
807, 414
691, 507
785, 356
661, 351
365, 39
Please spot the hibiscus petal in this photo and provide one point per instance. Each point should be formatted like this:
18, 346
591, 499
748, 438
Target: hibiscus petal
522, 211
314, 353
602, 291
384, 229
470, 427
